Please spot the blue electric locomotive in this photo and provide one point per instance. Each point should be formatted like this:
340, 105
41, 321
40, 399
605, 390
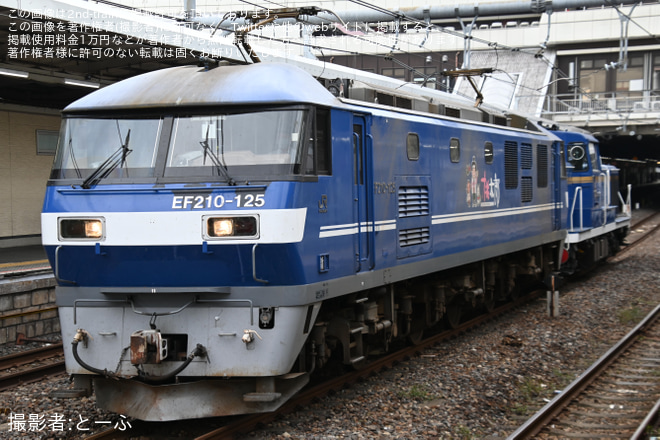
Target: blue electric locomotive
218, 234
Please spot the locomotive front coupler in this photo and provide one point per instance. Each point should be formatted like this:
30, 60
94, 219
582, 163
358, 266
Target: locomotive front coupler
199, 351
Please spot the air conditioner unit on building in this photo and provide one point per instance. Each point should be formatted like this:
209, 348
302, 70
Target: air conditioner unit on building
656, 106
640, 106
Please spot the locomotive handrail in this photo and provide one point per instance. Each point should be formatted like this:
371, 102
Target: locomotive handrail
356, 197
578, 190
57, 268
370, 182
254, 265
75, 304
172, 312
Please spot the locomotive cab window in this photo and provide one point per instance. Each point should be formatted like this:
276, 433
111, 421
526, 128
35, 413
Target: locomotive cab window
454, 150
412, 146
94, 149
594, 158
272, 143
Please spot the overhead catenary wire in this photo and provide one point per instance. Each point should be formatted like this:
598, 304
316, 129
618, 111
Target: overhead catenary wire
404, 19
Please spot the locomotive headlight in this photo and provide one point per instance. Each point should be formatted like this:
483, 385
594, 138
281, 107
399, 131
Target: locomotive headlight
231, 227
81, 228
221, 227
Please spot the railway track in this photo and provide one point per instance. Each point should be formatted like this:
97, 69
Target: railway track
617, 397
640, 232
31, 366
229, 428
248, 423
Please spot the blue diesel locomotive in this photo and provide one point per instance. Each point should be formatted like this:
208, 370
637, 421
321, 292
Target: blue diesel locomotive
218, 234
598, 216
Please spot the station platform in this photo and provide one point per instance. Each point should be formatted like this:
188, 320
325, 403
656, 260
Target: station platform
15, 261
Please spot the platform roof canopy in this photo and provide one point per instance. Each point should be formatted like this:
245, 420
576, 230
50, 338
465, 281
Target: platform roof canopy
54, 52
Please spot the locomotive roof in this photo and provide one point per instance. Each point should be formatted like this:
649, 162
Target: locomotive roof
196, 86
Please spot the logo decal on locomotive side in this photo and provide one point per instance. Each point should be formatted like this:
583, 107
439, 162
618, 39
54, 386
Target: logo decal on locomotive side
192, 202
323, 204
481, 192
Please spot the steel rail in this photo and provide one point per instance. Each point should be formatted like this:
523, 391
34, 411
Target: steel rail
33, 374
641, 239
27, 356
553, 408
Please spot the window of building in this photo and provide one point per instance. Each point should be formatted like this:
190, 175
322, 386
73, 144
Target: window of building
47, 142
394, 72
426, 76
656, 72
592, 75
630, 82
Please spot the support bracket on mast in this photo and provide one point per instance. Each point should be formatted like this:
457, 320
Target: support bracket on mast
468, 74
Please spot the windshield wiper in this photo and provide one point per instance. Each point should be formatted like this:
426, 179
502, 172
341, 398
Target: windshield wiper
222, 169
73, 158
108, 166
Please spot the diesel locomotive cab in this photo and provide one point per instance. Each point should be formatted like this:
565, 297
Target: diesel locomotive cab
598, 216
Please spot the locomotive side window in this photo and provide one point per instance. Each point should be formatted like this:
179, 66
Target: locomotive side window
412, 146
542, 165
488, 152
323, 157
455, 150
593, 156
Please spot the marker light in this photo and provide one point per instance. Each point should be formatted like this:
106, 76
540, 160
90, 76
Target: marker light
81, 229
221, 227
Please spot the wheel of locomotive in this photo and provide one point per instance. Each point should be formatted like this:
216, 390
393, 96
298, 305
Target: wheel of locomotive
453, 315
417, 325
416, 336
489, 301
